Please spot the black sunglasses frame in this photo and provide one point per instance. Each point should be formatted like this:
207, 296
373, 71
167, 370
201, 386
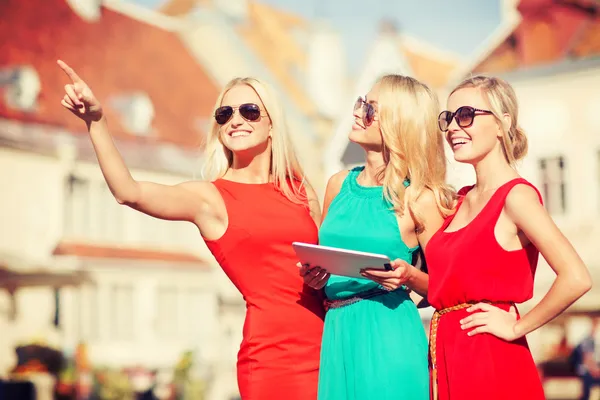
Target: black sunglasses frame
447, 117
246, 110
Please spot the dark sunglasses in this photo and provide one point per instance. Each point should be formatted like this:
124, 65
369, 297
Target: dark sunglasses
249, 111
368, 111
464, 117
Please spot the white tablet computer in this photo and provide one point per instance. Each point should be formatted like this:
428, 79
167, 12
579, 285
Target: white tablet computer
339, 261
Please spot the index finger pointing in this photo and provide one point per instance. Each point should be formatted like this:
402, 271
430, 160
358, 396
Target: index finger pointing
69, 71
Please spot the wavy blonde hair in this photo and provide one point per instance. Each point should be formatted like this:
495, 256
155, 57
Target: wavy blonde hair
502, 99
413, 147
286, 172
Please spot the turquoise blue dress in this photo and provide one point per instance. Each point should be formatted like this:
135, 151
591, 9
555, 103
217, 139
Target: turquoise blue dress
375, 348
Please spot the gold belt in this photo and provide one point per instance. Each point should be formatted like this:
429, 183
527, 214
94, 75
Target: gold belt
433, 338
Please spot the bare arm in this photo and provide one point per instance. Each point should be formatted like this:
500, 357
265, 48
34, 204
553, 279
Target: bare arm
186, 201
182, 202
313, 205
316, 277
333, 188
572, 281
589, 360
432, 220
572, 277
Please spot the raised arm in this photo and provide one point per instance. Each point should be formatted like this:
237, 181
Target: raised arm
186, 202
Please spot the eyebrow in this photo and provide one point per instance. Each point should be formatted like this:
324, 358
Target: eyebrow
370, 101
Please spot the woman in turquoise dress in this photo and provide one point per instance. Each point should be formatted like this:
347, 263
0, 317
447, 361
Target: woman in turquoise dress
374, 344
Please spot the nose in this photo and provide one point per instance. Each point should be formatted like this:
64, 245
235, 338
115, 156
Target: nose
358, 113
453, 127
236, 119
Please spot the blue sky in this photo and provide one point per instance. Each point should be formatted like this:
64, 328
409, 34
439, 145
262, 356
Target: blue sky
457, 25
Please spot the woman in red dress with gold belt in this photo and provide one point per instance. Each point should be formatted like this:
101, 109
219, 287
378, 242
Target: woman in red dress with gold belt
257, 204
483, 259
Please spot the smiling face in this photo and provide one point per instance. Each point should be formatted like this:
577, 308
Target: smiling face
472, 143
368, 136
240, 134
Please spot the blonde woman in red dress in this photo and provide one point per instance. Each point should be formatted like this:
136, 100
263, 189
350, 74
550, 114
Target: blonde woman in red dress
254, 205
483, 259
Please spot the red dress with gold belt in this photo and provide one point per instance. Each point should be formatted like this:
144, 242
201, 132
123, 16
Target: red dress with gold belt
468, 265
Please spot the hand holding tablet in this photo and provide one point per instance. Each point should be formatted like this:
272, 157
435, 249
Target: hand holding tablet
340, 261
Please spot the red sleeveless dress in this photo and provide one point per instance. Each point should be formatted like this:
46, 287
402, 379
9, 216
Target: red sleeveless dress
279, 354
469, 265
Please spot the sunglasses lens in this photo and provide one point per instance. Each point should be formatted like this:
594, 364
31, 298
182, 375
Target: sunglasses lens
358, 103
223, 114
368, 114
464, 116
444, 120
250, 112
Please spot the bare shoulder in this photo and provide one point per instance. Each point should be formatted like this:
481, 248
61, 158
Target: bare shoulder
313, 204
199, 187
521, 195
426, 202
335, 182
426, 198
522, 202
202, 190
311, 195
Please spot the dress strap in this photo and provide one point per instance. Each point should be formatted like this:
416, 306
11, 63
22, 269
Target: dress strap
496, 203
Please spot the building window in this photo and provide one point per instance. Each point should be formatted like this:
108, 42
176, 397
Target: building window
91, 212
552, 172
87, 309
121, 312
167, 313
598, 171
77, 205
194, 301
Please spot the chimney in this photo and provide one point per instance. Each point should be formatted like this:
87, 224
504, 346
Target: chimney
137, 112
236, 10
88, 10
326, 69
22, 87
509, 10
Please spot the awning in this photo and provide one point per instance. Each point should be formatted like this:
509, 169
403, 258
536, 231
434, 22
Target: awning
16, 272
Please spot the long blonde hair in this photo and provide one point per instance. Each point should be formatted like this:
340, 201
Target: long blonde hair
413, 145
502, 99
286, 172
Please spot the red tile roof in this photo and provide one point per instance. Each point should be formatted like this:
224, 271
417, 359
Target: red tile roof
88, 250
549, 32
429, 64
116, 55
269, 33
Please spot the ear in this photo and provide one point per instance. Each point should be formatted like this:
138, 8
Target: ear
506, 121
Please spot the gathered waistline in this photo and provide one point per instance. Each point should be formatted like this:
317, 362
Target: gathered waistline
367, 294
